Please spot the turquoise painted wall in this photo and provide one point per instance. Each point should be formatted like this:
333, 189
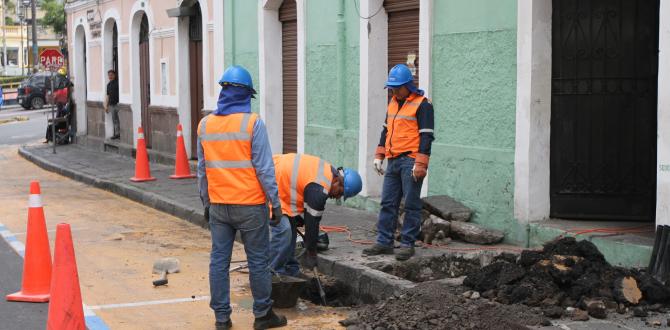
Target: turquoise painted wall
474, 94
332, 116
241, 39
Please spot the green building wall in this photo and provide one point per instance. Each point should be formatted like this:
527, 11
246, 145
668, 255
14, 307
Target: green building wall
474, 95
241, 39
332, 81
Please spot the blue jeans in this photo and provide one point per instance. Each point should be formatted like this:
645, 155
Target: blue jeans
252, 222
399, 183
282, 247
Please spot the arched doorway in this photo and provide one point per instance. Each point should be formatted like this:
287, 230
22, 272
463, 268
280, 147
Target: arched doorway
111, 62
145, 80
80, 83
195, 73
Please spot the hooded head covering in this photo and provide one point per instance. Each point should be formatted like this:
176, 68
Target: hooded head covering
413, 89
233, 99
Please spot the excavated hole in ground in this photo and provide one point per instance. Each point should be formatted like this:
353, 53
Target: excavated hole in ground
338, 293
429, 268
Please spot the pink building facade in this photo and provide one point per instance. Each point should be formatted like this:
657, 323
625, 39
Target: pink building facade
165, 65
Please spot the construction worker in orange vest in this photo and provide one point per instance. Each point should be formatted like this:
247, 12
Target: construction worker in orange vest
305, 184
236, 178
406, 141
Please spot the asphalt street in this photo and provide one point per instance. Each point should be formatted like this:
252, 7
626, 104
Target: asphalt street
15, 315
22, 131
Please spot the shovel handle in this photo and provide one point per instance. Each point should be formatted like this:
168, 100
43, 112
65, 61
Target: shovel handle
161, 281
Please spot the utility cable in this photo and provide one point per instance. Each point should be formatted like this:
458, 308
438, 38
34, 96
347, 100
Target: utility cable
358, 11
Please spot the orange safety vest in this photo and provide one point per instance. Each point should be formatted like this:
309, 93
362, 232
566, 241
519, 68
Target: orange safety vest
294, 172
226, 142
402, 135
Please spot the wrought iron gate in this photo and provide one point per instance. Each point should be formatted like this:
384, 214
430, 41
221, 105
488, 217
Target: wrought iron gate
603, 109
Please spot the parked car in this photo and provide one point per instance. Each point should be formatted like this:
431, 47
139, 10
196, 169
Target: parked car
32, 93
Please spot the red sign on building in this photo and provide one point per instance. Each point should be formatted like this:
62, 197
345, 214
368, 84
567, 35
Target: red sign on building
52, 58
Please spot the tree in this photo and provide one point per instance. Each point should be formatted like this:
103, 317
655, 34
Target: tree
10, 10
54, 15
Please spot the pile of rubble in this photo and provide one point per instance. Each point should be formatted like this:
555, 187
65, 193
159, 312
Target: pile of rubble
569, 278
444, 219
432, 305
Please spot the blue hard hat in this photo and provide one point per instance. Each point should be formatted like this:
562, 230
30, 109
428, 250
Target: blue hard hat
237, 75
353, 184
398, 76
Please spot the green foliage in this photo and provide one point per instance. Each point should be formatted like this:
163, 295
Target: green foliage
11, 81
9, 20
54, 15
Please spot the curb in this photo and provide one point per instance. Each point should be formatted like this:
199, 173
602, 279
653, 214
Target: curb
195, 216
368, 284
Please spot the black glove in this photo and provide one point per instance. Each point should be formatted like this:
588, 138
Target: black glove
207, 213
309, 260
276, 216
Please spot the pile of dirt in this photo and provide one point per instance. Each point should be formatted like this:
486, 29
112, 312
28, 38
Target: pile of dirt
432, 305
566, 273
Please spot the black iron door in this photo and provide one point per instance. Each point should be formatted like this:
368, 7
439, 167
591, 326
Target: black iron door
603, 109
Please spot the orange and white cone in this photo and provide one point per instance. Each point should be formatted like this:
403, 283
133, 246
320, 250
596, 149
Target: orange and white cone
142, 170
66, 310
35, 286
181, 168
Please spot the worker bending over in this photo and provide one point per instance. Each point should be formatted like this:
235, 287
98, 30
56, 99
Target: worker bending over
305, 184
236, 176
406, 140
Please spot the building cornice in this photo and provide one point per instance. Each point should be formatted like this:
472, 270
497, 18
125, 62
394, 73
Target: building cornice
77, 5
163, 33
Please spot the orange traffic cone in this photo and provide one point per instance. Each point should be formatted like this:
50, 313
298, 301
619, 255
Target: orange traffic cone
142, 171
37, 263
181, 168
65, 309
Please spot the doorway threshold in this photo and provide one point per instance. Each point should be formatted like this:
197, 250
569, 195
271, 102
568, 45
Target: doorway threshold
623, 243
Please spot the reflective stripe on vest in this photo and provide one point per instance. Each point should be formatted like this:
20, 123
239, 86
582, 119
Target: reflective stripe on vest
402, 135
226, 142
294, 172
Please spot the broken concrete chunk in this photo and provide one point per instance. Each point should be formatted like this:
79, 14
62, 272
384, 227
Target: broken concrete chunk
596, 308
553, 312
627, 291
580, 315
447, 208
473, 233
435, 228
640, 312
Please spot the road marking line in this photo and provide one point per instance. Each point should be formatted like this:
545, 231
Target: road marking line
93, 322
51, 231
148, 303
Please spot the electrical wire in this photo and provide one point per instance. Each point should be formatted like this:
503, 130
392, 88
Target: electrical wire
358, 11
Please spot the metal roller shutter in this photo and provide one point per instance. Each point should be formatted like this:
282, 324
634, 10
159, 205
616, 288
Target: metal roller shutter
288, 18
403, 32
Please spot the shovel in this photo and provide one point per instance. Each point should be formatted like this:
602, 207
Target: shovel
322, 293
163, 267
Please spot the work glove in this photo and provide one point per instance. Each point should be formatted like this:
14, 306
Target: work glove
276, 216
309, 260
207, 213
379, 160
420, 167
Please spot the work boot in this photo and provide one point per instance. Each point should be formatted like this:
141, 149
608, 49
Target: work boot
378, 249
270, 320
404, 253
223, 325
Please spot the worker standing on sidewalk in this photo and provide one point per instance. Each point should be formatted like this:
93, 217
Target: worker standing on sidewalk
406, 141
235, 176
305, 184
